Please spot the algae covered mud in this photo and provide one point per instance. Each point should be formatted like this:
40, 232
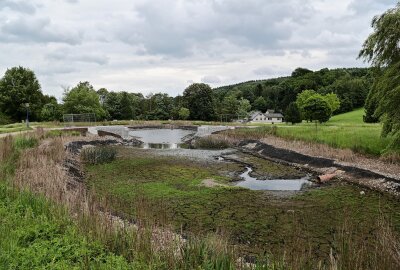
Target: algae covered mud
238, 195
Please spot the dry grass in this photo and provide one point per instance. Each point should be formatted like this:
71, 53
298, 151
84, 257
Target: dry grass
387, 164
40, 170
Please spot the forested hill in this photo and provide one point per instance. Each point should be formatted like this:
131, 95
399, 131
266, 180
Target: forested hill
350, 84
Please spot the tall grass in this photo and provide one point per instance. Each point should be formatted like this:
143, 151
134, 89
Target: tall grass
149, 245
98, 155
213, 142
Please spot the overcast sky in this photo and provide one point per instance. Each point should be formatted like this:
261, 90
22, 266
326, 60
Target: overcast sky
163, 46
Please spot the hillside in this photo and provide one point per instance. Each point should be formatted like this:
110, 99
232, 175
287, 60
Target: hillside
350, 84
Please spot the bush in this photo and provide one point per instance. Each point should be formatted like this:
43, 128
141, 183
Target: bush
4, 119
98, 155
212, 143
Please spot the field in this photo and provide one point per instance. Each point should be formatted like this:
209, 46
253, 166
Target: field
13, 128
347, 131
341, 131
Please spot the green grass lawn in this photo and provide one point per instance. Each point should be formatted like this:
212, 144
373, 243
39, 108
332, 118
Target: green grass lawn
13, 128
342, 131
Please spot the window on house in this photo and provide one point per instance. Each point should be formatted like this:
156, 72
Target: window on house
269, 118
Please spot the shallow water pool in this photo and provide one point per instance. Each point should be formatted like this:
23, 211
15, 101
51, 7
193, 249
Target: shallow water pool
161, 138
277, 185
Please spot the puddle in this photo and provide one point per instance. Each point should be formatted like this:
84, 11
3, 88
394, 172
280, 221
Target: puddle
161, 138
278, 185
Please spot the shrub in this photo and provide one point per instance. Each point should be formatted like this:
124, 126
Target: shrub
98, 155
212, 142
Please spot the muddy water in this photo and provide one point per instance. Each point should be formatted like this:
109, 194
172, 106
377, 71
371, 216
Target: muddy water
277, 185
160, 138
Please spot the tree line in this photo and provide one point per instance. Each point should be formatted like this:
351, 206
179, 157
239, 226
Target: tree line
199, 101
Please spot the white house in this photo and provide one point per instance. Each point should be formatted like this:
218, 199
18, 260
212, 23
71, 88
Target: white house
270, 116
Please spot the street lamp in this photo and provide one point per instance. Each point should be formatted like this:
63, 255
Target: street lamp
27, 114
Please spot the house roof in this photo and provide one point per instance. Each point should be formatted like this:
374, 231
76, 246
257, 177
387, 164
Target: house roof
267, 114
276, 115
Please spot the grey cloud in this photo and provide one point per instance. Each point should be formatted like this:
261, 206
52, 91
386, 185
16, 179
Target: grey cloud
210, 79
177, 28
36, 30
365, 6
66, 55
271, 70
19, 6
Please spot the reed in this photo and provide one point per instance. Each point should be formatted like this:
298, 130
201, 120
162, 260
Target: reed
98, 155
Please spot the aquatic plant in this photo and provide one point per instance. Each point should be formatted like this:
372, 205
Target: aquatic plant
98, 155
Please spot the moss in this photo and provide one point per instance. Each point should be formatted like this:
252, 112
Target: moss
168, 191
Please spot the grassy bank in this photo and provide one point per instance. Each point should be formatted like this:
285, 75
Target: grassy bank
345, 131
37, 234
13, 128
305, 229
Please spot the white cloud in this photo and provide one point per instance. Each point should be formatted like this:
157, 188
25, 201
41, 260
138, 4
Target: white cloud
153, 46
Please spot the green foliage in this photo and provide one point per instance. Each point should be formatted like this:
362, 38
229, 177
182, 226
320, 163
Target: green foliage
83, 99
260, 104
293, 114
200, 101
230, 106
351, 86
98, 155
333, 101
51, 112
382, 49
316, 108
303, 97
36, 235
184, 113
243, 108
387, 91
4, 119
331, 98
18, 87
298, 72
371, 103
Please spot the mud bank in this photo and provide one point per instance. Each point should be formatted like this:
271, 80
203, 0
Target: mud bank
75, 146
353, 174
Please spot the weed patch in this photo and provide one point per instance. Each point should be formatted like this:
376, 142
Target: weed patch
98, 155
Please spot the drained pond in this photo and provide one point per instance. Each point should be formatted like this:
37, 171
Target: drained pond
236, 197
